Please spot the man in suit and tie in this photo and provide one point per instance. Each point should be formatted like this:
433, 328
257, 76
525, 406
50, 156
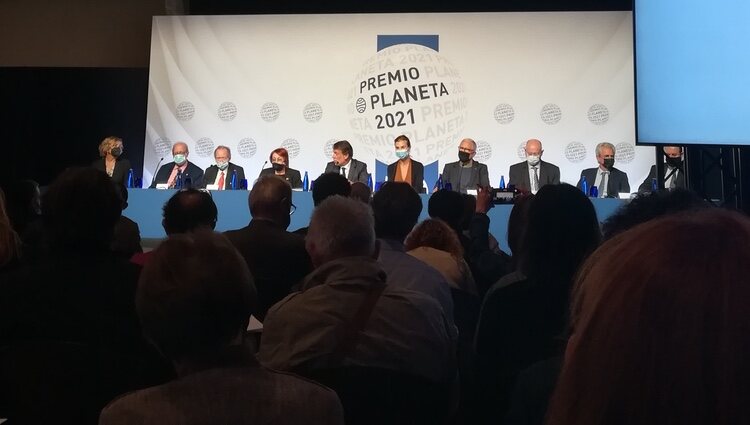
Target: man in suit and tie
177, 173
466, 174
609, 180
674, 174
530, 175
344, 164
220, 175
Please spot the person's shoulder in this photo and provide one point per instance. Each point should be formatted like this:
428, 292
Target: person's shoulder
193, 166
550, 165
232, 164
618, 171
518, 165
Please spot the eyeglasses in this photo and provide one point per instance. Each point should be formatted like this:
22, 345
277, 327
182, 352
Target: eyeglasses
292, 209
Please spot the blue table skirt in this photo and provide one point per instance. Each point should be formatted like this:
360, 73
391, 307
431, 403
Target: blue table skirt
145, 208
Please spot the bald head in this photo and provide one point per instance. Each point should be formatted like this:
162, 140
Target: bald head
533, 147
180, 148
271, 199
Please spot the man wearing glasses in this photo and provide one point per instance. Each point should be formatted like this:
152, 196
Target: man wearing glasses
465, 174
277, 259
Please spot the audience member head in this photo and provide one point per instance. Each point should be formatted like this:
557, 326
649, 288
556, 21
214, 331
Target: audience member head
330, 184
9, 242
80, 209
195, 296
470, 208
271, 199
660, 328
396, 207
650, 206
562, 231
434, 233
448, 206
518, 221
340, 227
189, 210
23, 203
111, 146
361, 192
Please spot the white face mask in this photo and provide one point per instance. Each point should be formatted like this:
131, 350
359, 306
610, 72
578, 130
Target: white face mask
222, 164
533, 159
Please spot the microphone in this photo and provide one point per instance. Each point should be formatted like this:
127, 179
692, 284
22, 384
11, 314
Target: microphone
156, 170
261, 168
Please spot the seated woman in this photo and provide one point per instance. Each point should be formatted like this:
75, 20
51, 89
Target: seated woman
280, 167
111, 160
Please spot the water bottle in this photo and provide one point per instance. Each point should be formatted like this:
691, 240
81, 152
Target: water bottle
306, 183
584, 186
594, 192
233, 183
369, 181
502, 182
131, 183
654, 185
439, 183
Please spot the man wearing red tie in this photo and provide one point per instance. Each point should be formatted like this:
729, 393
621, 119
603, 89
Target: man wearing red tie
220, 174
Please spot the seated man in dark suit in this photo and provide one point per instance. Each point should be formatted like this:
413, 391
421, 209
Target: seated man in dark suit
466, 174
674, 175
532, 174
343, 163
406, 169
194, 299
221, 173
175, 174
277, 258
609, 180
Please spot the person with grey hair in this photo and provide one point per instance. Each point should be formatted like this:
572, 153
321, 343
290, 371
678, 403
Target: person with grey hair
277, 258
220, 174
609, 180
177, 173
466, 173
347, 315
194, 300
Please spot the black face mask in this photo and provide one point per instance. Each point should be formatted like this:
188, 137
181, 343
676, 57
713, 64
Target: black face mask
674, 162
464, 156
277, 167
116, 152
609, 163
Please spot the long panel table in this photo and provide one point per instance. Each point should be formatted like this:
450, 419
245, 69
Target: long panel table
145, 208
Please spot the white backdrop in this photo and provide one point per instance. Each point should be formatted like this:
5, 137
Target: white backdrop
255, 83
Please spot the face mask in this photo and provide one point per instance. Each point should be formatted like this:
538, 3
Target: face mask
277, 167
609, 163
402, 154
179, 159
116, 152
532, 159
674, 162
222, 164
464, 156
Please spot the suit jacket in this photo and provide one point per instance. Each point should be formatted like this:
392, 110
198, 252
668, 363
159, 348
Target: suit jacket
617, 181
277, 259
213, 171
119, 174
356, 170
479, 175
417, 174
193, 171
646, 185
291, 175
518, 175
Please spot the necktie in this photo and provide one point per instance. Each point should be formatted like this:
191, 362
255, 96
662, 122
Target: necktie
673, 181
535, 183
221, 181
603, 192
343, 171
